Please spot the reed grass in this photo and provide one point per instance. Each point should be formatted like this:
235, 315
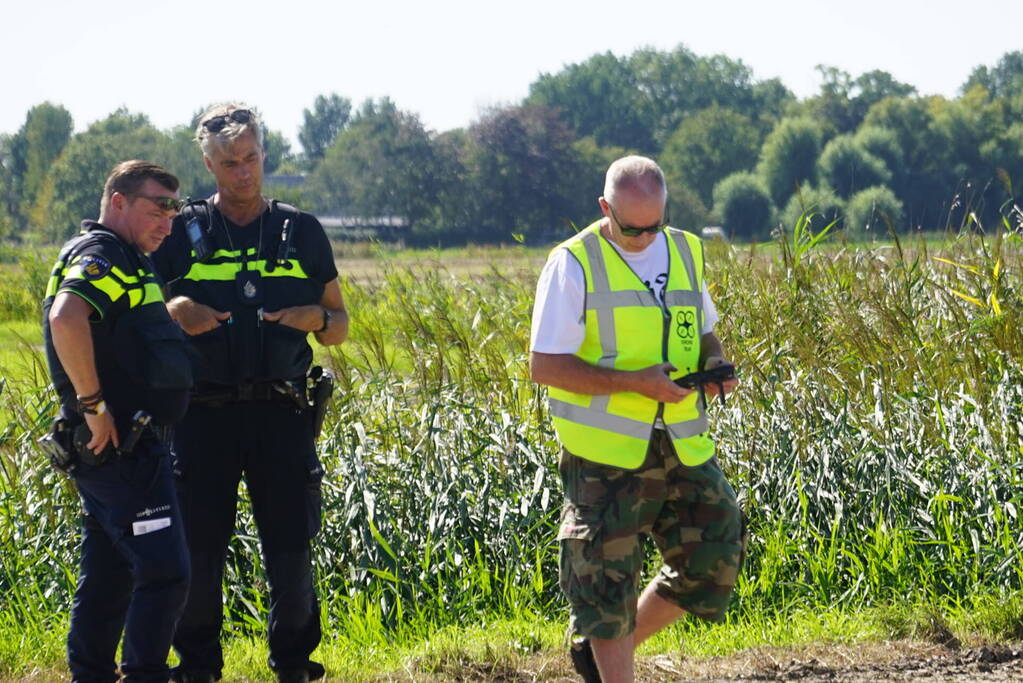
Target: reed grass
874, 442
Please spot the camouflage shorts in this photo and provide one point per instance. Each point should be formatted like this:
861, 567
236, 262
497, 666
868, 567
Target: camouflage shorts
689, 512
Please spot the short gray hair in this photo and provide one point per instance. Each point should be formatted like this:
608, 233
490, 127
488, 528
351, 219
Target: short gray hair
633, 171
232, 129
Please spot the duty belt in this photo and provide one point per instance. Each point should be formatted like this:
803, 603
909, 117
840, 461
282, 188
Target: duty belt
216, 396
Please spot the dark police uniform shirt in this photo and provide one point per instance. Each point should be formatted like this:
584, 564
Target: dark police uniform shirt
131, 329
249, 260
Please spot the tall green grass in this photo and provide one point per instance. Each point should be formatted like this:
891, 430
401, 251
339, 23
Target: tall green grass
875, 443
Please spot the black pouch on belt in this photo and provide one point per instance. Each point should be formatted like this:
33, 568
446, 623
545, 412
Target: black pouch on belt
56, 445
83, 436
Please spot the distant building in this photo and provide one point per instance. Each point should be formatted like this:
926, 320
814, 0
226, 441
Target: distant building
714, 232
344, 228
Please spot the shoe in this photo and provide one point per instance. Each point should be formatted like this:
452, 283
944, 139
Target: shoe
313, 671
583, 662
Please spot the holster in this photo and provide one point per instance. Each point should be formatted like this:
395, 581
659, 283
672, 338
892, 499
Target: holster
57, 445
321, 388
81, 435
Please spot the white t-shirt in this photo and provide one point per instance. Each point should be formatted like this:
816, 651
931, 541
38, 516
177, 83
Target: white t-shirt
558, 315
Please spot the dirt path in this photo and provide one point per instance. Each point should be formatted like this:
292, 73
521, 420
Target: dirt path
891, 661
881, 662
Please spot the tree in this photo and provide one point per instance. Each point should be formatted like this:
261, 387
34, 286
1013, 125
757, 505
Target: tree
382, 164
601, 98
46, 130
744, 205
967, 130
1005, 79
321, 126
277, 149
178, 152
883, 144
843, 101
923, 187
848, 167
874, 210
1004, 153
772, 99
686, 210
678, 83
8, 198
820, 205
954, 165
75, 181
788, 158
120, 121
873, 86
708, 146
526, 176
637, 102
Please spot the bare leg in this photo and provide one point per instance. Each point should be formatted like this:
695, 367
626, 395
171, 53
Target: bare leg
614, 659
653, 614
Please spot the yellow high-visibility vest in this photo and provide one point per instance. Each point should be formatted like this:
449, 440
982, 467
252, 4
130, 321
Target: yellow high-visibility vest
628, 329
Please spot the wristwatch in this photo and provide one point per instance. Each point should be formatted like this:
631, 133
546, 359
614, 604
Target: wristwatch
326, 321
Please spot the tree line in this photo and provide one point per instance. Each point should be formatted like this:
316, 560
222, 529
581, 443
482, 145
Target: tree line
866, 151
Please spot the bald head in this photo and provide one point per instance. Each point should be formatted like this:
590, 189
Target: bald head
634, 174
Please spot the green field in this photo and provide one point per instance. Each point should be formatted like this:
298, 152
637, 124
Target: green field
874, 442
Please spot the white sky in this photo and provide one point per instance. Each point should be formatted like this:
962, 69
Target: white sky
448, 59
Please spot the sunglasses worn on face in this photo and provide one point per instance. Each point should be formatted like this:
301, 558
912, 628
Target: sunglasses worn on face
631, 231
163, 203
216, 124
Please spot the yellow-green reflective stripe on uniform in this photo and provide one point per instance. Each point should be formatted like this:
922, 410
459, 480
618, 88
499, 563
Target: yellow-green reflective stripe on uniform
114, 285
229, 270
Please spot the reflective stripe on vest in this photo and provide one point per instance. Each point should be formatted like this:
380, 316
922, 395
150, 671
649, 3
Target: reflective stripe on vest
141, 288
224, 265
628, 329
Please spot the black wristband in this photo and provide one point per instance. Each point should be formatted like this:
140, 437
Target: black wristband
326, 321
91, 398
90, 405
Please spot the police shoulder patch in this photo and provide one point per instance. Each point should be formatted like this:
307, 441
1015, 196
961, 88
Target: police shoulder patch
94, 266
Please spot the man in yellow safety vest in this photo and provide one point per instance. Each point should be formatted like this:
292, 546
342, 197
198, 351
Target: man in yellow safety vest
621, 311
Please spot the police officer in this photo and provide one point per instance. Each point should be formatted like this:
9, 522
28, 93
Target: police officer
621, 310
249, 278
113, 351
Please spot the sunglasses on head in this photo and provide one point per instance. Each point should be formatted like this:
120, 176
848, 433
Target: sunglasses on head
215, 124
163, 203
632, 231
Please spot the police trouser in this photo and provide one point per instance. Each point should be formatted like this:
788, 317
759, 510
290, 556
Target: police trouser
272, 445
134, 567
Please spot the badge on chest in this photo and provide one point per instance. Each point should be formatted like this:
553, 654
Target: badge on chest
248, 287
